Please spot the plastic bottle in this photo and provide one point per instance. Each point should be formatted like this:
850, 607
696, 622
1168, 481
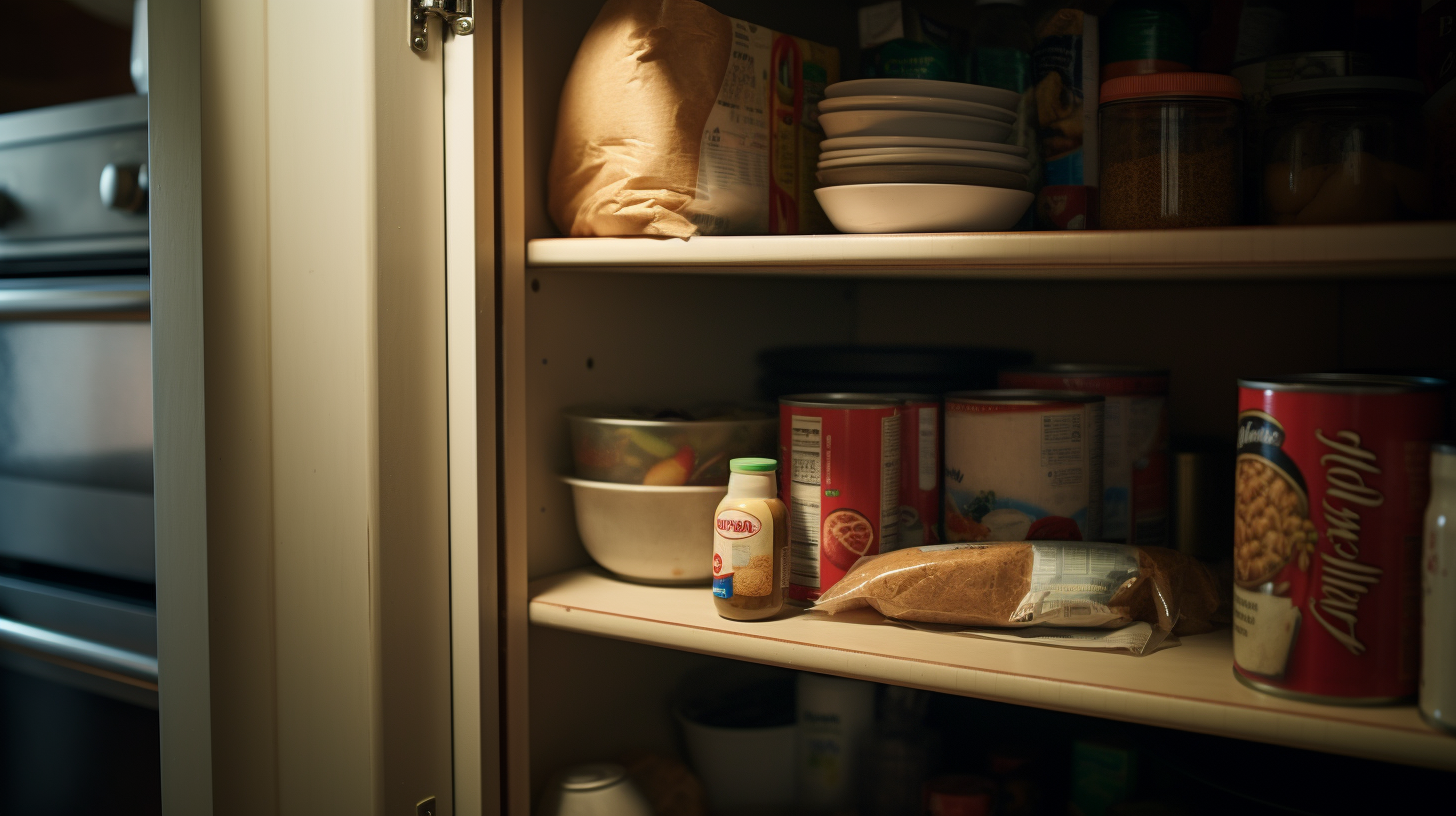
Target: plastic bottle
750, 543
836, 721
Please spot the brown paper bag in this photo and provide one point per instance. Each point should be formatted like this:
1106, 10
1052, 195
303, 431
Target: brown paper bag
664, 126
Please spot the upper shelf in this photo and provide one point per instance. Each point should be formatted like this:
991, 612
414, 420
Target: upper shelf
1191, 687
1234, 252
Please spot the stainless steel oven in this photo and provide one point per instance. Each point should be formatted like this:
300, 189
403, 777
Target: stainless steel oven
78, 668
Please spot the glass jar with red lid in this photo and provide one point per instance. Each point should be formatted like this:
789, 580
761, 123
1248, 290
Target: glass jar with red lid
1171, 151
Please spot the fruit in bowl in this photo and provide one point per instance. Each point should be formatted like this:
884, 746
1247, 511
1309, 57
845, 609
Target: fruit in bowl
668, 447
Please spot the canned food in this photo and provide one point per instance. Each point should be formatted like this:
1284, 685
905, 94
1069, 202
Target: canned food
843, 484
1332, 476
1135, 469
1022, 465
960, 795
919, 469
1438, 609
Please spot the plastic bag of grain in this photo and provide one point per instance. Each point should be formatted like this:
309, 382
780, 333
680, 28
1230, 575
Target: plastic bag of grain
1034, 583
677, 120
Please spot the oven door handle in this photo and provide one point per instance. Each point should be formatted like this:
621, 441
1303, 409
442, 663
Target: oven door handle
86, 655
112, 293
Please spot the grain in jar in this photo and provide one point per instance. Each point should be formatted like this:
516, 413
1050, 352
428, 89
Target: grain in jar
1171, 151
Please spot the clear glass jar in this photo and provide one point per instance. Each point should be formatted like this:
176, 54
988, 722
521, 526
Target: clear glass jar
1344, 150
1171, 151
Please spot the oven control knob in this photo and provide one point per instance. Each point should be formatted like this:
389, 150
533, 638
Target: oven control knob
124, 187
8, 209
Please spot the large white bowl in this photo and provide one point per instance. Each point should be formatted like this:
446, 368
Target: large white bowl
966, 92
923, 155
880, 208
922, 174
860, 142
913, 123
916, 103
655, 535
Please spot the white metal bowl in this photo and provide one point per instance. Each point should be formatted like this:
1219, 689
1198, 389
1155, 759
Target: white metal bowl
653, 535
888, 208
964, 91
929, 104
913, 123
921, 174
862, 142
923, 155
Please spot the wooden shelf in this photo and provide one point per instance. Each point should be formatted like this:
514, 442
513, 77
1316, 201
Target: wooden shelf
1190, 687
1363, 250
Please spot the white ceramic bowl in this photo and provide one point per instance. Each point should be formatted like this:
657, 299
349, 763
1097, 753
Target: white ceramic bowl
963, 91
913, 123
881, 208
917, 103
654, 535
861, 142
922, 174
923, 155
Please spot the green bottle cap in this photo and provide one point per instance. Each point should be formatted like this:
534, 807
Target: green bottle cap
753, 465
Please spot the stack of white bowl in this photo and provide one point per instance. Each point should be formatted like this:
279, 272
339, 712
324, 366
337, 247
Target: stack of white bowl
920, 155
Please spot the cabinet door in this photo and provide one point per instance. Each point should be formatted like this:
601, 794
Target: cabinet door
349, 376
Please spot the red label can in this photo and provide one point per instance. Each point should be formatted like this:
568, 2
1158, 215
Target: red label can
842, 487
920, 451
1332, 476
1135, 460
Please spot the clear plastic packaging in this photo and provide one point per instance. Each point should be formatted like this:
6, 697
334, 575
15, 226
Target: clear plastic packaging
1033, 583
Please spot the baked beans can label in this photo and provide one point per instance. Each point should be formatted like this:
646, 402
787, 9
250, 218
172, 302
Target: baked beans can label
1331, 481
843, 485
1022, 465
1136, 462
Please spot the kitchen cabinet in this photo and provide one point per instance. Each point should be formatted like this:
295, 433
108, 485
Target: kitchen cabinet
464, 356
594, 320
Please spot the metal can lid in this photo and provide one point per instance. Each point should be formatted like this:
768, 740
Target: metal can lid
1023, 395
847, 400
1092, 370
1443, 448
753, 464
913, 397
1346, 383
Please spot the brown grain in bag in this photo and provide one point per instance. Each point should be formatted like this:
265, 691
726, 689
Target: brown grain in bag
994, 585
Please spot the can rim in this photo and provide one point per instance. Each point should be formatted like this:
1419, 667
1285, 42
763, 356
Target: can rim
1444, 448
1346, 383
1028, 396
1093, 370
839, 400
911, 397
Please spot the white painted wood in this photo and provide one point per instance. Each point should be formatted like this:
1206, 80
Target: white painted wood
470, 318
1191, 686
236, 256
174, 166
325, 233
1362, 250
671, 335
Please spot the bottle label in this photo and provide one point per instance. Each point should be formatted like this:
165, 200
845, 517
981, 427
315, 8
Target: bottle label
743, 537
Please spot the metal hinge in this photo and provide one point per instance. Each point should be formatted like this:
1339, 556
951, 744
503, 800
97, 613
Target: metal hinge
457, 14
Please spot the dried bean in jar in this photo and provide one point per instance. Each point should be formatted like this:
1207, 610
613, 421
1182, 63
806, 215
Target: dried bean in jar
1171, 151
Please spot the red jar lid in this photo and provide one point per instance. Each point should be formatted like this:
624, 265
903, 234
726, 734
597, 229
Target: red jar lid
1177, 83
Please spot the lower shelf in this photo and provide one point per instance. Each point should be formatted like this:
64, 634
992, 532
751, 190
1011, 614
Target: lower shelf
1190, 687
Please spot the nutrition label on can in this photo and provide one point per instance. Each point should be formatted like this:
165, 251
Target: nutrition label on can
1061, 448
929, 449
806, 452
889, 483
